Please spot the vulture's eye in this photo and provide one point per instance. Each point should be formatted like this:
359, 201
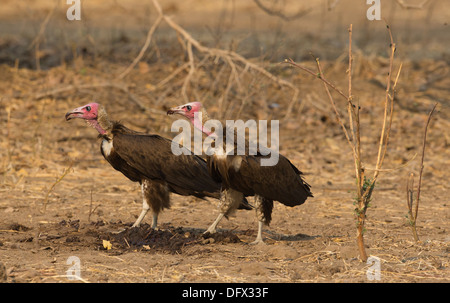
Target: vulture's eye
189, 108
88, 108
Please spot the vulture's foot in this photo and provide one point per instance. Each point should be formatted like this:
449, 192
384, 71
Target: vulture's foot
154, 227
211, 230
258, 241
259, 238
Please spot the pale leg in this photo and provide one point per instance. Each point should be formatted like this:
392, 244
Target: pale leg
259, 238
263, 209
212, 228
229, 202
155, 221
145, 208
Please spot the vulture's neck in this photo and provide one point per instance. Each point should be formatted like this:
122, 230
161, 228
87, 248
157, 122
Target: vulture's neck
102, 124
199, 121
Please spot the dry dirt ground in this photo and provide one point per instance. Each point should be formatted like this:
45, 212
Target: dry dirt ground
50, 65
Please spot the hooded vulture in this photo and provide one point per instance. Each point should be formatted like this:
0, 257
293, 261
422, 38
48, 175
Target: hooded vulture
242, 174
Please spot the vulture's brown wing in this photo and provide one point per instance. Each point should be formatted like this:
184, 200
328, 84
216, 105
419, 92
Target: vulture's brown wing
121, 165
153, 157
281, 182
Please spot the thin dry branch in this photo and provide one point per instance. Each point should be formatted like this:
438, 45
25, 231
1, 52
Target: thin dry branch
391, 100
59, 179
410, 183
384, 140
91, 211
319, 76
354, 113
410, 192
423, 156
338, 115
172, 75
391, 169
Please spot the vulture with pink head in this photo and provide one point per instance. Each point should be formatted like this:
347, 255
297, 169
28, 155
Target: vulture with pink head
148, 159
242, 174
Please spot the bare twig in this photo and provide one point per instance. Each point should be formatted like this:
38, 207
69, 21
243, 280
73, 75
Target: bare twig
172, 75
391, 169
410, 184
423, 156
320, 76
91, 211
354, 113
384, 140
58, 179
409, 192
338, 115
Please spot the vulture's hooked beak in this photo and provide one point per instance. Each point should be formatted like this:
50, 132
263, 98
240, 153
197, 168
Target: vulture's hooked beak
176, 110
76, 113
